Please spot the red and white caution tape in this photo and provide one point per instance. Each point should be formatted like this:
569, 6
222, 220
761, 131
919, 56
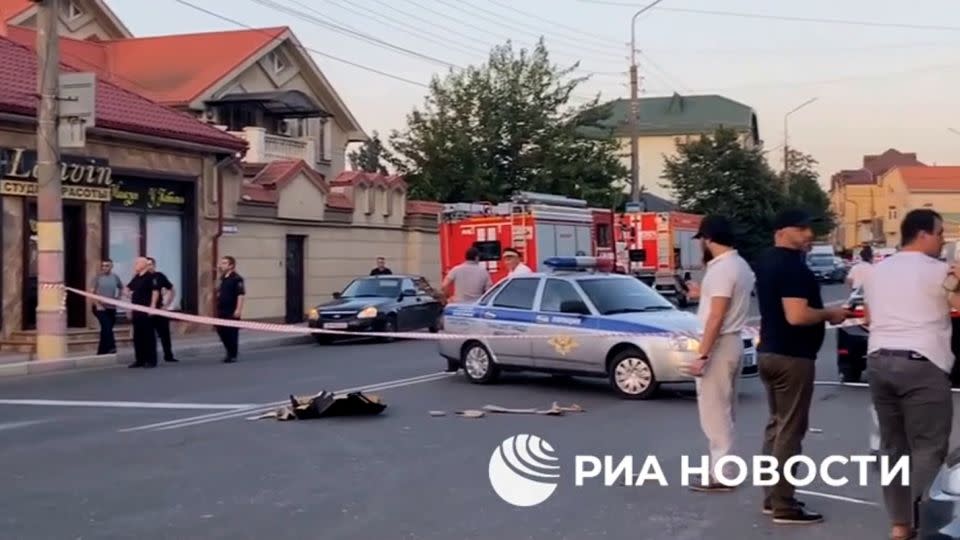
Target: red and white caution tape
298, 329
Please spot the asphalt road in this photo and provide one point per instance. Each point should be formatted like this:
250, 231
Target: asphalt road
169, 453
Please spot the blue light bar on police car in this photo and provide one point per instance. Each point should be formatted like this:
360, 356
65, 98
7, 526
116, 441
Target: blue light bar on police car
576, 263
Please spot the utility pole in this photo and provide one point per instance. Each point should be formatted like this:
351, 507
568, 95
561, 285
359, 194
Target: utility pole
635, 109
51, 297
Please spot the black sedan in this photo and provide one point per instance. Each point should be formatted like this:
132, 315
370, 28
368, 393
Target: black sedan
386, 303
852, 344
826, 269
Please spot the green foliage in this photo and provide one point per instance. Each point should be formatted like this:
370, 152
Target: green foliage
718, 175
371, 157
505, 126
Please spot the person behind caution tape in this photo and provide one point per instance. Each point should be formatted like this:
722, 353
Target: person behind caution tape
907, 302
161, 323
469, 279
106, 284
230, 296
724, 297
143, 290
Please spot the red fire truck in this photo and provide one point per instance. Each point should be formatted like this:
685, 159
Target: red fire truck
658, 247
538, 225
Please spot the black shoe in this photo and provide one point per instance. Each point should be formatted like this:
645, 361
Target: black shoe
149, 366
171, 360
229, 360
797, 516
768, 509
135, 365
715, 487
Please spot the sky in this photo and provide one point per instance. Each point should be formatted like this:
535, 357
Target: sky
886, 84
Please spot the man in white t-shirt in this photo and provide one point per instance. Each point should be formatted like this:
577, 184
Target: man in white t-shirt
858, 274
910, 359
724, 298
514, 263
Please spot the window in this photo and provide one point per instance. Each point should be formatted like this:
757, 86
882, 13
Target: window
277, 62
603, 235
408, 285
489, 251
72, 11
165, 244
518, 294
372, 287
485, 299
555, 293
623, 295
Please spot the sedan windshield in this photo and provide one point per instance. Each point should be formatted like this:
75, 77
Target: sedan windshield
612, 296
818, 260
369, 287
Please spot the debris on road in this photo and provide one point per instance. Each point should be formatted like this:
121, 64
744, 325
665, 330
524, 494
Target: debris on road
327, 404
438, 413
816, 430
471, 413
554, 410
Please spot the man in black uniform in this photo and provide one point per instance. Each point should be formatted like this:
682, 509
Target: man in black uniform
230, 305
144, 291
381, 269
160, 323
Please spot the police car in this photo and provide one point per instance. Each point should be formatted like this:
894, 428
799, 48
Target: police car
555, 322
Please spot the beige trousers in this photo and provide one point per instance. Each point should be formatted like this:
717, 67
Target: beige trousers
717, 397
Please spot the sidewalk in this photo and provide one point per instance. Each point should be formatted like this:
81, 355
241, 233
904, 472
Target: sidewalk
207, 343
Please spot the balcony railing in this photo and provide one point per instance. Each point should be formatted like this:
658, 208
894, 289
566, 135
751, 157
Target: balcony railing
266, 147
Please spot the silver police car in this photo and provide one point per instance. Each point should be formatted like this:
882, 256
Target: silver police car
555, 322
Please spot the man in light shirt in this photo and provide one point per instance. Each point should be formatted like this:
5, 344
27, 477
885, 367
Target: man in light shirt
724, 303
909, 360
468, 279
858, 274
514, 263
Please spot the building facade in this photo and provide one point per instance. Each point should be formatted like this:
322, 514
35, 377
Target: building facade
666, 122
131, 191
907, 188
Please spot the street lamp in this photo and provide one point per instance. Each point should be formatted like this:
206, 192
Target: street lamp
786, 142
635, 106
954, 131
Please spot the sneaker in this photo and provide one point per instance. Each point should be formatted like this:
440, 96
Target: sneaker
171, 360
715, 487
768, 509
797, 516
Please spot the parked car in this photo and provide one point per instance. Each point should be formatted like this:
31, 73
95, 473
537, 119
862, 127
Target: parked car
852, 344
557, 316
386, 303
939, 515
826, 269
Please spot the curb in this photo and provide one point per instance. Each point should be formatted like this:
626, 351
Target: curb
123, 357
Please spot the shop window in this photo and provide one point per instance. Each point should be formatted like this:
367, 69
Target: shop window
165, 244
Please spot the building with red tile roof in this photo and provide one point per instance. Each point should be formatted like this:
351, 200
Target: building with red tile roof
905, 188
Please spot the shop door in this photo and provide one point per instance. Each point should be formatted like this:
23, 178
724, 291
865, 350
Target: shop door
74, 268
295, 278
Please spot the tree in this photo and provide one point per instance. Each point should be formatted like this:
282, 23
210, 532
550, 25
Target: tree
804, 191
717, 175
487, 131
371, 157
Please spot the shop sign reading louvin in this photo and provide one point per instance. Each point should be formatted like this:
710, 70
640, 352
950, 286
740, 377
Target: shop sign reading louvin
81, 178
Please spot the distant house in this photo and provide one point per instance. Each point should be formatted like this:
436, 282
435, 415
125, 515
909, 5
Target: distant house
667, 121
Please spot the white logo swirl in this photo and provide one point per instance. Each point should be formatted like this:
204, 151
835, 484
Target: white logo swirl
513, 470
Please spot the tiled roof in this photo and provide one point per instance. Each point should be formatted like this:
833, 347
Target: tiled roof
172, 70
880, 164
675, 115
116, 108
360, 178
858, 177
424, 207
11, 8
930, 178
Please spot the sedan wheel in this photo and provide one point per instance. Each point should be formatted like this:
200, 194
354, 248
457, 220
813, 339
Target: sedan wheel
478, 364
631, 375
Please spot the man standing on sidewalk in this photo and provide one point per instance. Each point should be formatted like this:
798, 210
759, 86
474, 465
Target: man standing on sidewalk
230, 297
144, 291
792, 328
724, 303
907, 302
108, 285
160, 323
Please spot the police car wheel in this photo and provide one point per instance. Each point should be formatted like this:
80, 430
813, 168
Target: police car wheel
477, 364
631, 375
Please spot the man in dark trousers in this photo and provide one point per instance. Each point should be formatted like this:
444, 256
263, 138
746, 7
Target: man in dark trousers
792, 328
108, 285
230, 305
144, 291
160, 323
381, 269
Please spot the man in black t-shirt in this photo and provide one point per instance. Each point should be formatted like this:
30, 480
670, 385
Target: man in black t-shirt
144, 291
161, 324
792, 327
230, 296
381, 268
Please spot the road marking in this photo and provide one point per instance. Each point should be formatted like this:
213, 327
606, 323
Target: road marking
15, 425
264, 407
838, 497
125, 404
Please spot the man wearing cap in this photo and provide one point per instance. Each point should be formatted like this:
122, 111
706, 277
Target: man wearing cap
724, 303
792, 328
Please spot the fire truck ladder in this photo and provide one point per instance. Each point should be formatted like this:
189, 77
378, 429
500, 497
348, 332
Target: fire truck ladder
518, 227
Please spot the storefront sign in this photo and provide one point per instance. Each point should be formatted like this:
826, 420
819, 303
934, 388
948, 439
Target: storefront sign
150, 195
81, 178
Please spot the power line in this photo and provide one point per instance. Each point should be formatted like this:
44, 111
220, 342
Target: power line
540, 18
305, 49
819, 20
664, 74
346, 30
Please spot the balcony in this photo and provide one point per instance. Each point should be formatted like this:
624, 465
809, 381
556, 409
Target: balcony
266, 147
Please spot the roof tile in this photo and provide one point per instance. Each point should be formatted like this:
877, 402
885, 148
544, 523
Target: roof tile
116, 108
923, 178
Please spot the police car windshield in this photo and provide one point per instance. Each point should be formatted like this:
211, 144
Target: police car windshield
369, 287
612, 296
